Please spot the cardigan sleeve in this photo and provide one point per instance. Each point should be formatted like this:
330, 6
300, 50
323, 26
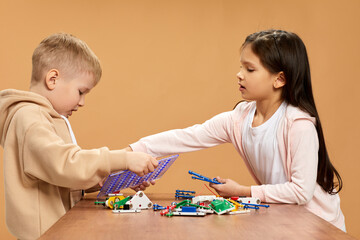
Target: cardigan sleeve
211, 133
304, 147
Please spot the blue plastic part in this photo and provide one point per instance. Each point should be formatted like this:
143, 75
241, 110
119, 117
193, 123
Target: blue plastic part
185, 191
202, 178
188, 209
158, 207
184, 194
125, 179
256, 205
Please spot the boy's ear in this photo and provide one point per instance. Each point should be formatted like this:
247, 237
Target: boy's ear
51, 78
280, 80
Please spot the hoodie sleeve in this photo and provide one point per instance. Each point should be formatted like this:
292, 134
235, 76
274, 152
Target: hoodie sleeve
211, 133
45, 156
304, 147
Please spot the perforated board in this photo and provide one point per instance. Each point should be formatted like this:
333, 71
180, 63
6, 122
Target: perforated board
125, 179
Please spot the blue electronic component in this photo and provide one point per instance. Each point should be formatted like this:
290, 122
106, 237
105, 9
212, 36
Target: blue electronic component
202, 178
184, 194
158, 207
125, 179
188, 209
256, 206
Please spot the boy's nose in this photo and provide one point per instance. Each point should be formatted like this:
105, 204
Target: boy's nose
82, 101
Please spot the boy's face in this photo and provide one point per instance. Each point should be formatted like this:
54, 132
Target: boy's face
69, 93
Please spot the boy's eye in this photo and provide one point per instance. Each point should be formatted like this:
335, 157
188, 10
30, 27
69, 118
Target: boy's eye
250, 70
80, 92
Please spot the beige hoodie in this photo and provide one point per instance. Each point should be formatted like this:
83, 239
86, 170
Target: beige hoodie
41, 163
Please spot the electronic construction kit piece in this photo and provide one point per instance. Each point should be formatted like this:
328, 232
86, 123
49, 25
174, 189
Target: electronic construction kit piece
125, 179
184, 194
202, 178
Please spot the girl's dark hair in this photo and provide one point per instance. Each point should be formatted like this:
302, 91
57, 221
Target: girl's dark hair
281, 51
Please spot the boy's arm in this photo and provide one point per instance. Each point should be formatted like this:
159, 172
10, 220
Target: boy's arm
45, 156
211, 133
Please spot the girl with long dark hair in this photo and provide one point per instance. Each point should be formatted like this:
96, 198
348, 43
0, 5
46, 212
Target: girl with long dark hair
277, 130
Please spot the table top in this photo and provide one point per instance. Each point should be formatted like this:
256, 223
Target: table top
280, 221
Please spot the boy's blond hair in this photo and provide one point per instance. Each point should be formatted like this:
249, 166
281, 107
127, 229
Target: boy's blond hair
66, 53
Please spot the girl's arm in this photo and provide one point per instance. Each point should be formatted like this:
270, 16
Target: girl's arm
213, 132
304, 148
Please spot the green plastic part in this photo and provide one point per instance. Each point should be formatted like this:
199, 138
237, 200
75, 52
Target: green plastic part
220, 205
121, 202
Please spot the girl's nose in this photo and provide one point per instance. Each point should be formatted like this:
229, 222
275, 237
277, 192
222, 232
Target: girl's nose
240, 75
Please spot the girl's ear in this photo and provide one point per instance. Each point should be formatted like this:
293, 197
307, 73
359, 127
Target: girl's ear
280, 80
51, 79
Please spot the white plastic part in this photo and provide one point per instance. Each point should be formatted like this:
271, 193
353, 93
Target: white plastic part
140, 201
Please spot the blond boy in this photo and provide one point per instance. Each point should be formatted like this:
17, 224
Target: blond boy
42, 161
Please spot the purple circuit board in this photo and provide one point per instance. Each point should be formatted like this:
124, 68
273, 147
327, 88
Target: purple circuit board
125, 179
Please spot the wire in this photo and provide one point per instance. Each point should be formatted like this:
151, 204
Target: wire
210, 190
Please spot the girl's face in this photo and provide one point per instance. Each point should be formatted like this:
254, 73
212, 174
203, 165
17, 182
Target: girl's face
256, 82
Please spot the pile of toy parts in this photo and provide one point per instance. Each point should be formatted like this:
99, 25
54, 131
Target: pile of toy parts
191, 206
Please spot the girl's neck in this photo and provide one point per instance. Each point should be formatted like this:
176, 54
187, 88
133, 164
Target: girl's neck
264, 110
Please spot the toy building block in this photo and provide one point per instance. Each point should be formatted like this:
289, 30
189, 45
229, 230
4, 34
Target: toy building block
188, 211
111, 200
194, 214
203, 198
202, 178
119, 204
251, 200
255, 206
239, 208
140, 201
221, 206
158, 207
184, 194
126, 211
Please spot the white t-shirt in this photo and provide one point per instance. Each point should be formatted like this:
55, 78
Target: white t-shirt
261, 147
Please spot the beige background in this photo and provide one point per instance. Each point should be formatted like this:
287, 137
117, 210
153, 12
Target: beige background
171, 64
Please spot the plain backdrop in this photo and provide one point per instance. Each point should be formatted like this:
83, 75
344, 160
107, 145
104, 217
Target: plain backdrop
171, 64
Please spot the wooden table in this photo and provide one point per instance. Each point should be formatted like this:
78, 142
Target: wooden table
279, 221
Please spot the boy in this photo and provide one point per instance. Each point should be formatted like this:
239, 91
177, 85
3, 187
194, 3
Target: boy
41, 159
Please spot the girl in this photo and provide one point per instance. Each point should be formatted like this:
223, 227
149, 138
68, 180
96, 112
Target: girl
277, 131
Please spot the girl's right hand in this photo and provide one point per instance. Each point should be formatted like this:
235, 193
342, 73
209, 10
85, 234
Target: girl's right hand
140, 163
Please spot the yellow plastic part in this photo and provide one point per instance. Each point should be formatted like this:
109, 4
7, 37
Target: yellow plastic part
111, 200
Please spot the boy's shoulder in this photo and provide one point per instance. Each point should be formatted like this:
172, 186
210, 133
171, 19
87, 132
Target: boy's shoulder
24, 109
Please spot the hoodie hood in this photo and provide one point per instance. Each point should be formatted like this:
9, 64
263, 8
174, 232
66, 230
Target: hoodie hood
12, 100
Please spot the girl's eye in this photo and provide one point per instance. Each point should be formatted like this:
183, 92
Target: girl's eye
80, 92
250, 70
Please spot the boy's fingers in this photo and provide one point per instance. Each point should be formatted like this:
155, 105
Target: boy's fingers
154, 162
150, 167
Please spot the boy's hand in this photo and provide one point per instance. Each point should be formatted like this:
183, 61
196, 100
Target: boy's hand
140, 163
230, 188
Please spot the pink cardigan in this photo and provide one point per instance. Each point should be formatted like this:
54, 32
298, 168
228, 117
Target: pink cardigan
298, 145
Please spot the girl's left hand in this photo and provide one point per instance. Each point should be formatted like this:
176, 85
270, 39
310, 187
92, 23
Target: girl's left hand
230, 188
143, 186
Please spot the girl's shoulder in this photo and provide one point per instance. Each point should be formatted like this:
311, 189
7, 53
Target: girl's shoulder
293, 113
242, 108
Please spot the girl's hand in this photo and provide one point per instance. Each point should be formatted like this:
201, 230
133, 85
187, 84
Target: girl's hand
230, 188
143, 186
